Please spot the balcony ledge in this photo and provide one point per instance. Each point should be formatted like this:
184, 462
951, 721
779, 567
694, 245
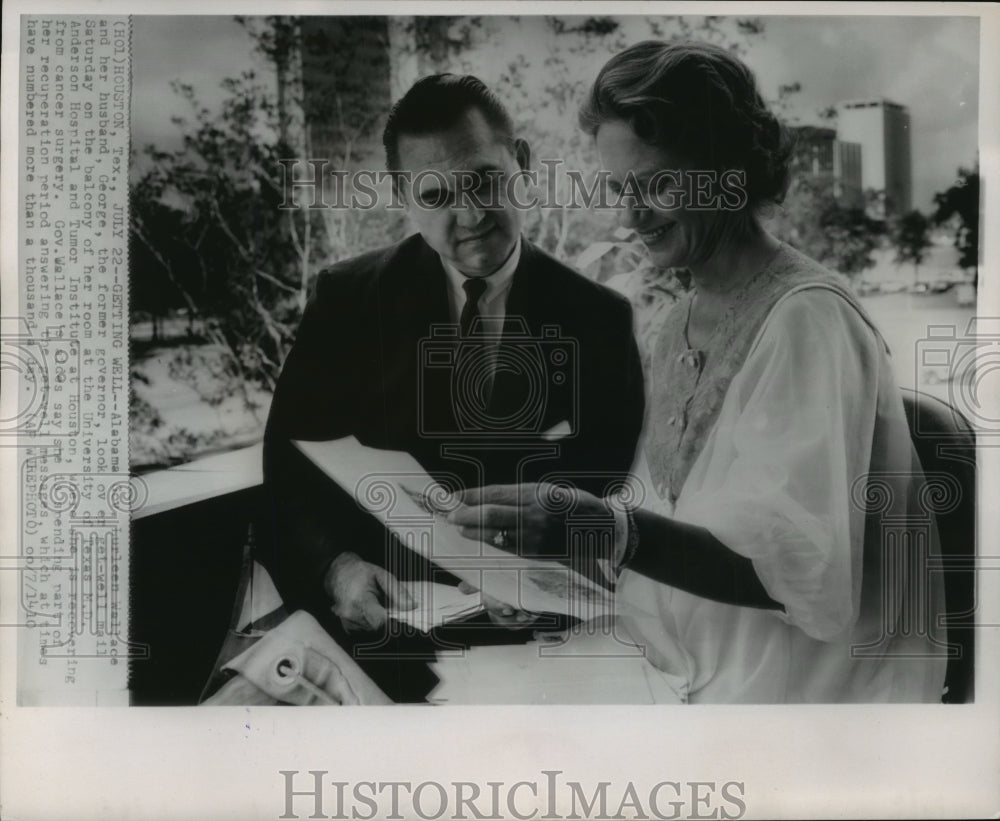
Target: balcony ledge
201, 480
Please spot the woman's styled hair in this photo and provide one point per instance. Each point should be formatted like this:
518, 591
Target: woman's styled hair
700, 101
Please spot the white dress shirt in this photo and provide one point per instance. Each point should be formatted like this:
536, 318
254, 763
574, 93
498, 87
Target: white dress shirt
493, 302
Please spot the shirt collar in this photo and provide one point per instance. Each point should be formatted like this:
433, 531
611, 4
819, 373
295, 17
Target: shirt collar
496, 283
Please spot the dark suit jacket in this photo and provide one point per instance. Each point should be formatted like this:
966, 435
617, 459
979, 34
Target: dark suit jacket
366, 362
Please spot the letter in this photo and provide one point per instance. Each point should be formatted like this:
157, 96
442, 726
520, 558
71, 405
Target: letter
495, 791
466, 185
588, 806
677, 805
733, 188
442, 194
510, 190
394, 785
340, 800
551, 777
395, 203
697, 799
462, 801
576, 185
510, 799
631, 190
315, 184
700, 192
442, 806
366, 190
674, 198
551, 188
732, 799
630, 799
316, 792
372, 805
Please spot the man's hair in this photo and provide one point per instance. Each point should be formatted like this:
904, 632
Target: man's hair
437, 102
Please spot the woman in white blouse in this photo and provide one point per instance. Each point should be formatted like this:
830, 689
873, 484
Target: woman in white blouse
780, 556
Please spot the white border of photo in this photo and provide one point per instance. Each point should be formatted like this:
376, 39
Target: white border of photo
870, 761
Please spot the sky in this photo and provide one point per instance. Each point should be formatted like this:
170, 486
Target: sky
930, 65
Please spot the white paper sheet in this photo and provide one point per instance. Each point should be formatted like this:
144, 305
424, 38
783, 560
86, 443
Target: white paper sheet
437, 604
393, 487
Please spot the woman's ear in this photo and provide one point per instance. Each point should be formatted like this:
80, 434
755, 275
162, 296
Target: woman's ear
522, 153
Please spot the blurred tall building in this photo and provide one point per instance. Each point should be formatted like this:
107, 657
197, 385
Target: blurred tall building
847, 172
820, 155
882, 129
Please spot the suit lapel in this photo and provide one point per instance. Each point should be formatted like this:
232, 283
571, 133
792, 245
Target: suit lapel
526, 293
415, 299
422, 293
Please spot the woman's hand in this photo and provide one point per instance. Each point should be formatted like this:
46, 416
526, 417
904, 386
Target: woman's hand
542, 520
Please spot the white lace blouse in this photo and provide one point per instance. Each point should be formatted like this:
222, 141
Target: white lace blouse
810, 472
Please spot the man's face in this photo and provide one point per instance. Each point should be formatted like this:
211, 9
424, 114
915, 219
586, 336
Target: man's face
476, 240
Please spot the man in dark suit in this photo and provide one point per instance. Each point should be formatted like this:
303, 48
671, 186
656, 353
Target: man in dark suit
463, 345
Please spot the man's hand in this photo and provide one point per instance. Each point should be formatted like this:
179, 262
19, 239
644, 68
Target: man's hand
360, 592
501, 614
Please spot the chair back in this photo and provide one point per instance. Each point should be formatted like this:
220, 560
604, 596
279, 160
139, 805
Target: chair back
946, 443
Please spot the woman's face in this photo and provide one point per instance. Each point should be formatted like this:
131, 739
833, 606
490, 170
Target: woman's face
674, 234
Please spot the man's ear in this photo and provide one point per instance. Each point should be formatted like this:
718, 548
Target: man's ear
522, 153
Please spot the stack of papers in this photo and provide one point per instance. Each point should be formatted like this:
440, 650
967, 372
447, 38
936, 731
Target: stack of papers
437, 604
393, 487
582, 669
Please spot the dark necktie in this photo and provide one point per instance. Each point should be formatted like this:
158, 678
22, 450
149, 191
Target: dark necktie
474, 288
475, 363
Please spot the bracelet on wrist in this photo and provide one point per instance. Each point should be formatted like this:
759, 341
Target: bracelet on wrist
632, 540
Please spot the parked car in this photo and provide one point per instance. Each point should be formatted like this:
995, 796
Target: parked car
965, 295
937, 374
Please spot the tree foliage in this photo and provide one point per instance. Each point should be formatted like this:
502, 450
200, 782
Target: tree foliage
208, 234
959, 205
910, 234
813, 219
209, 237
